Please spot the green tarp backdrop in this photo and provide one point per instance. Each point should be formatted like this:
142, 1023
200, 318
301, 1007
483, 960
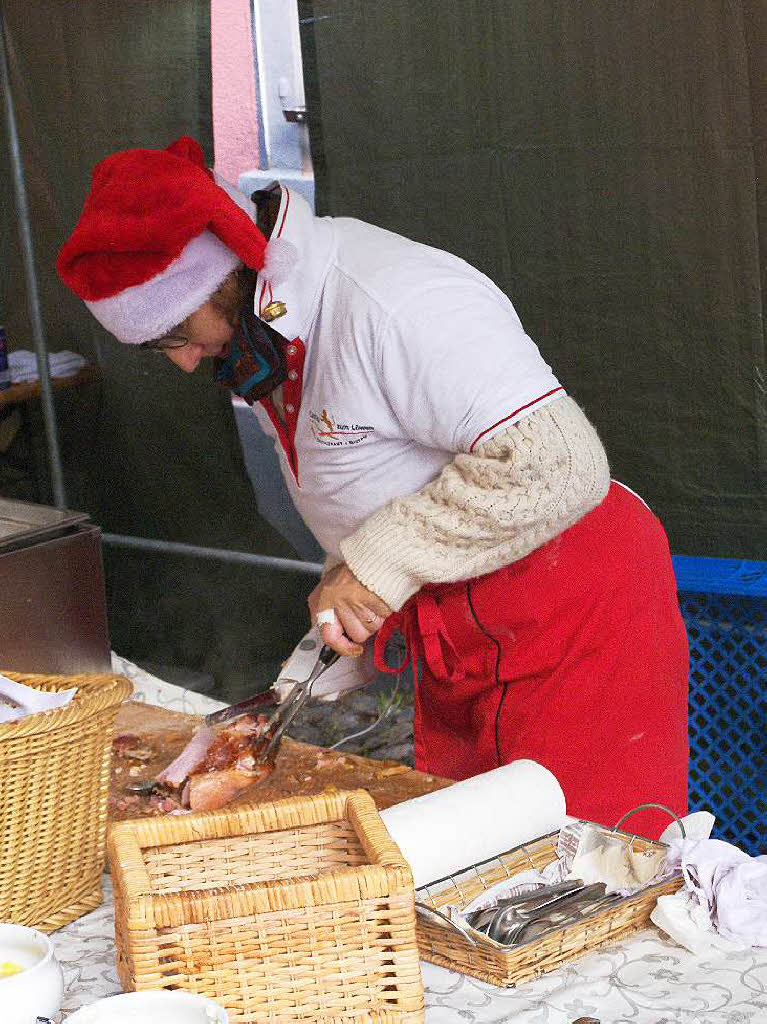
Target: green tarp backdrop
604, 163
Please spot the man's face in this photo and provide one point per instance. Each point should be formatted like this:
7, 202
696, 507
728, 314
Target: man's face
209, 334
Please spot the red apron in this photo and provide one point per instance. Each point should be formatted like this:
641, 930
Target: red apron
575, 656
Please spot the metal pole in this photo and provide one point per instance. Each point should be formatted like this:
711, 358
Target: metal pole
33, 296
263, 157
213, 554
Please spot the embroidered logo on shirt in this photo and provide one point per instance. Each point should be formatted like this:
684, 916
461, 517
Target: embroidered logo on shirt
334, 434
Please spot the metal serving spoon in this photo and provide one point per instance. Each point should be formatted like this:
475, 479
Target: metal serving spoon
535, 927
510, 918
479, 919
510, 921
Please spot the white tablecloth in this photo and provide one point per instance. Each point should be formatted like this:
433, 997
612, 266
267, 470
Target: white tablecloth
644, 980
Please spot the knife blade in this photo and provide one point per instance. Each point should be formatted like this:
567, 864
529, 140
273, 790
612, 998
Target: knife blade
268, 698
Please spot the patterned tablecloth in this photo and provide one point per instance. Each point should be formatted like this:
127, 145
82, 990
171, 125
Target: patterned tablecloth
644, 980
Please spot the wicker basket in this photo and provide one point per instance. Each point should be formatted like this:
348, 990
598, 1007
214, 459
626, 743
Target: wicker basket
54, 781
443, 944
297, 910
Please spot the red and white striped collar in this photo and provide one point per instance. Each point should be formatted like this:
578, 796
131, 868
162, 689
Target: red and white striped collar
300, 291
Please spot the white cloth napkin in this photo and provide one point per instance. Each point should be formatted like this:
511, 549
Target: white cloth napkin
697, 825
17, 700
604, 857
682, 918
724, 903
23, 365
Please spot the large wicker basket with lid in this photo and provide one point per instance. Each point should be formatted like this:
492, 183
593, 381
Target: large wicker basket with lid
54, 781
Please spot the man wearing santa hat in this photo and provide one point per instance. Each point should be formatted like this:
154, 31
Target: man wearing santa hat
462, 497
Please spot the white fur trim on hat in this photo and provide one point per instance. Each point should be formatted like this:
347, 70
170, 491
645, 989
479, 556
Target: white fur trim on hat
149, 310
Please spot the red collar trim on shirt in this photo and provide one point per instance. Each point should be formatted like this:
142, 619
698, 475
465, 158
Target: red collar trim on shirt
292, 388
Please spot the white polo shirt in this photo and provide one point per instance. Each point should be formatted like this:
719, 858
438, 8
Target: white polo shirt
399, 356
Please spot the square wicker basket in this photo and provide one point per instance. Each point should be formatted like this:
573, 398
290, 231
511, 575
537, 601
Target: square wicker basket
54, 781
296, 910
509, 966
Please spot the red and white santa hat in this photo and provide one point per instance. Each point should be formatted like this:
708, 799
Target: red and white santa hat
157, 236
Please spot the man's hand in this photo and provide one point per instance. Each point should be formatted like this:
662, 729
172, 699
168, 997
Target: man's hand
359, 614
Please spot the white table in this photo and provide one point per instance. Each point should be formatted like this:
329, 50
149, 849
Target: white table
644, 980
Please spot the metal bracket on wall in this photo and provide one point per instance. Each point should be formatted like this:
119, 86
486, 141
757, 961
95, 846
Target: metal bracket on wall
283, 131
280, 83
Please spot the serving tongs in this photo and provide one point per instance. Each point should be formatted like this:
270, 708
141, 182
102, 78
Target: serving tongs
286, 710
276, 724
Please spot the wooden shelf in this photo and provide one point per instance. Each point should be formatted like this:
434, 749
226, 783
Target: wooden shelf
18, 393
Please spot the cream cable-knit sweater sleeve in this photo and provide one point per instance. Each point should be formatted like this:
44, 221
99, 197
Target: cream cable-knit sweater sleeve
514, 493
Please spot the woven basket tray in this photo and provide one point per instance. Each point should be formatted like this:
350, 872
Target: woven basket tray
509, 966
54, 780
296, 910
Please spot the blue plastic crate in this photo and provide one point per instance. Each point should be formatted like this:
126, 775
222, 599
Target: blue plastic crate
724, 604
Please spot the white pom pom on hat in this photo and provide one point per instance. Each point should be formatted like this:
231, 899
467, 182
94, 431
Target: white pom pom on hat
280, 261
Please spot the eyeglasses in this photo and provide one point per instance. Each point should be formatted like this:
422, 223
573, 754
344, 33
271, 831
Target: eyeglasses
166, 341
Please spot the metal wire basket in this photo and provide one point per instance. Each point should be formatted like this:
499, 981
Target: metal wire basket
443, 941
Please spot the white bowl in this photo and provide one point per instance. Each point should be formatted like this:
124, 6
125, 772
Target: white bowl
158, 1005
38, 990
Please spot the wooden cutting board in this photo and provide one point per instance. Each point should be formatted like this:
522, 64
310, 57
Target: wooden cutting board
300, 768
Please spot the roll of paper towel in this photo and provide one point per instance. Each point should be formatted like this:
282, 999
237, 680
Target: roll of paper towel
441, 833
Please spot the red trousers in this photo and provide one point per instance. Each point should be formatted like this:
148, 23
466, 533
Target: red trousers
575, 656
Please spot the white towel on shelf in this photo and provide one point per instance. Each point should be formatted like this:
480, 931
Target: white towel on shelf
17, 700
23, 365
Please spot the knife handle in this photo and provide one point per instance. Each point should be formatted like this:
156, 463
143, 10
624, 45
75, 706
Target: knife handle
328, 656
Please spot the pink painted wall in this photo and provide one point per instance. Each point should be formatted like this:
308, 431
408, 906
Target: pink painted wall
235, 106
